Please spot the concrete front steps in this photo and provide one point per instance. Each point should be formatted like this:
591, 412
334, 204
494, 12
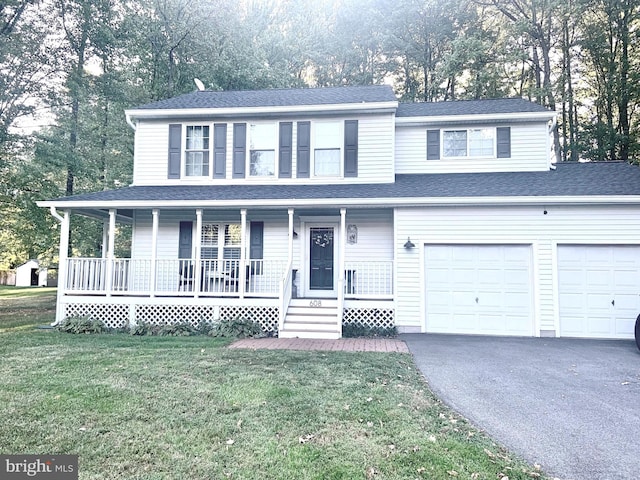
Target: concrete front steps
311, 318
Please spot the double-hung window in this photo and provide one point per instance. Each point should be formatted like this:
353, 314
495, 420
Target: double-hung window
232, 242
328, 141
262, 146
209, 241
454, 143
220, 241
197, 151
481, 142
476, 142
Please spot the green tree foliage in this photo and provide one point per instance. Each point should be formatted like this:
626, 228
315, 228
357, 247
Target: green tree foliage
610, 32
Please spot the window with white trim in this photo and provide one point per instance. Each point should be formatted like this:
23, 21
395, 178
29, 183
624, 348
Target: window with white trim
328, 141
473, 142
262, 148
197, 151
220, 241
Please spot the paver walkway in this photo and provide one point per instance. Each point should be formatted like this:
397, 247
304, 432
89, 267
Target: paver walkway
340, 345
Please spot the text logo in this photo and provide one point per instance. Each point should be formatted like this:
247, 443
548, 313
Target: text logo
49, 467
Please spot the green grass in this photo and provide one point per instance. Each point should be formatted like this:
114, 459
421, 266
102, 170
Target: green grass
187, 407
25, 307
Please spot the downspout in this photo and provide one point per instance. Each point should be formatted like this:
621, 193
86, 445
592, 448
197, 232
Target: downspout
550, 145
62, 262
133, 126
56, 215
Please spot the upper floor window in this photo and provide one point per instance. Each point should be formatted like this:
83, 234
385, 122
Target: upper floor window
197, 151
328, 141
262, 147
476, 142
472, 142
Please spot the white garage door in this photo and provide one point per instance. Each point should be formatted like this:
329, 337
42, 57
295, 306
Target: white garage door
479, 289
599, 290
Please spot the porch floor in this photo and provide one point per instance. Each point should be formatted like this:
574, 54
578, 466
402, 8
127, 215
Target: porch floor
339, 345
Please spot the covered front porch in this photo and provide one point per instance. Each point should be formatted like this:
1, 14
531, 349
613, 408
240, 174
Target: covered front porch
301, 272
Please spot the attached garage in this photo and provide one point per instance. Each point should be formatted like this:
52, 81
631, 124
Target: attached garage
599, 290
479, 289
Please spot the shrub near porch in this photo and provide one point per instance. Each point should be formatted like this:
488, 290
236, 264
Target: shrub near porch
156, 407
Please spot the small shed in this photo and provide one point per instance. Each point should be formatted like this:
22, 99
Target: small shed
30, 274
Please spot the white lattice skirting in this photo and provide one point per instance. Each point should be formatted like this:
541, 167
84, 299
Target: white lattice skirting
115, 315
120, 316
370, 317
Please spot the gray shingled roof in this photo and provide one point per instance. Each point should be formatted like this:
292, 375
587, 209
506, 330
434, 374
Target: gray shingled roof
468, 107
276, 98
569, 179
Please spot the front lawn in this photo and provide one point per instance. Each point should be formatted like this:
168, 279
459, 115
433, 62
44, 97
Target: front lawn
22, 307
187, 407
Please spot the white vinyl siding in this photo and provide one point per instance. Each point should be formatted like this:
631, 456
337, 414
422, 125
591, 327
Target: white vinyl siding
151, 153
505, 225
529, 151
168, 232
375, 152
376, 138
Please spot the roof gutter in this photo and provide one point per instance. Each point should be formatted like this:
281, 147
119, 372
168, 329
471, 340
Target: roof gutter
476, 118
158, 113
352, 202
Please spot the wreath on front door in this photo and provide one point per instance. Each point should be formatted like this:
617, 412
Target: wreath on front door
322, 239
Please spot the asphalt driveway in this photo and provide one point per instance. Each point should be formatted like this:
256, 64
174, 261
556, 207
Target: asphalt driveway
572, 406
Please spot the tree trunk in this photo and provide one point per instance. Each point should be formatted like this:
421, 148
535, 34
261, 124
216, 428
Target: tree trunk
623, 97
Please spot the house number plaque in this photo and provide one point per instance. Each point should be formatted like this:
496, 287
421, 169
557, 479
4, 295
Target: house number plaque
315, 303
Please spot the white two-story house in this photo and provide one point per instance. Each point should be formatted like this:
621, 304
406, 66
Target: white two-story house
309, 209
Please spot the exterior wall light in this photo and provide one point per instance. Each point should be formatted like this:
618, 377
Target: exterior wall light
408, 244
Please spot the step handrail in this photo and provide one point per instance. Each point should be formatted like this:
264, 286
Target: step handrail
285, 294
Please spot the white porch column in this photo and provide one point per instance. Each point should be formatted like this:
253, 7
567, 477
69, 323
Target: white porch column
63, 256
197, 270
290, 258
105, 237
155, 213
243, 254
111, 251
341, 265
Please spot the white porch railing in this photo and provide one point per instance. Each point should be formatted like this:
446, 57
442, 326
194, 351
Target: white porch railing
89, 275
175, 277
286, 287
86, 274
189, 277
369, 280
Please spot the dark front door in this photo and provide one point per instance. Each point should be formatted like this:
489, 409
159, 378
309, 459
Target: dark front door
321, 253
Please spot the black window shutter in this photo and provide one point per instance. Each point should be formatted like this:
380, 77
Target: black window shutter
433, 144
185, 239
351, 148
256, 246
219, 150
256, 240
239, 149
175, 146
503, 137
304, 149
284, 165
